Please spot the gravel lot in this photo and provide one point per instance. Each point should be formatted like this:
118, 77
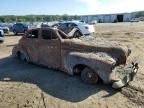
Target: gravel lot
24, 85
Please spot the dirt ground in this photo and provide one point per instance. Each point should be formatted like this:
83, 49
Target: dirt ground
24, 85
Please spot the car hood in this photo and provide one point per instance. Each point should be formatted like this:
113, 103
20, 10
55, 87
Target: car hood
90, 44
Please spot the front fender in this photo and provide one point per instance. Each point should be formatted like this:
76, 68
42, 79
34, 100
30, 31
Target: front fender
100, 63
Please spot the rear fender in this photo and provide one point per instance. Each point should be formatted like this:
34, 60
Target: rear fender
21, 50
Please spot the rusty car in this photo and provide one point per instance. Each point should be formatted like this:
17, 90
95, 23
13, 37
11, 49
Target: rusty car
75, 54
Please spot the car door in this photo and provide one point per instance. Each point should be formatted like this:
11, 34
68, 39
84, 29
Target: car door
50, 49
30, 45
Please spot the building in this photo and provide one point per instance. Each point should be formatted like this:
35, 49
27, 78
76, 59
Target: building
109, 18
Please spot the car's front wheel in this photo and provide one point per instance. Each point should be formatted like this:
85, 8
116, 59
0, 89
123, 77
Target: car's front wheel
88, 76
77, 34
1, 41
15, 33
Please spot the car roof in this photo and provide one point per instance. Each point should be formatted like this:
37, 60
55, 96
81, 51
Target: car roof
51, 28
19, 24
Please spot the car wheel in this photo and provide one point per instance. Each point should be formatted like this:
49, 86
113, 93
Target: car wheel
8, 32
77, 34
88, 76
15, 33
1, 41
22, 57
24, 31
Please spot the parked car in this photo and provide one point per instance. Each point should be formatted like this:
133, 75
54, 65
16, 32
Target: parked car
56, 25
1, 35
93, 22
86, 29
19, 28
10, 26
135, 20
92, 60
44, 25
4, 28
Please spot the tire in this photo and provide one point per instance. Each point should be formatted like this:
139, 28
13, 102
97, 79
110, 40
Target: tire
15, 33
22, 57
1, 41
8, 32
77, 34
88, 76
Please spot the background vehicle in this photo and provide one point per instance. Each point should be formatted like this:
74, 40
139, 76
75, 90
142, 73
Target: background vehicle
4, 28
1, 35
19, 28
86, 29
56, 25
93, 22
135, 20
44, 25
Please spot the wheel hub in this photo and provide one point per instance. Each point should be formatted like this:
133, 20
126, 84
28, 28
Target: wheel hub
89, 75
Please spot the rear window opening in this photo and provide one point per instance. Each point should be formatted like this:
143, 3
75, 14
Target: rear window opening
32, 34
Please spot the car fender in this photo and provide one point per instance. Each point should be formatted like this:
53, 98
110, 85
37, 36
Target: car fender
101, 65
22, 50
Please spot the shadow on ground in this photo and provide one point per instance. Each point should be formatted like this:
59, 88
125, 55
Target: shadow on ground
54, 83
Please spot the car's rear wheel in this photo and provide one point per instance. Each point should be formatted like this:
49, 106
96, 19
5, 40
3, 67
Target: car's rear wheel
15, 33
77, 34
21, 57
89, 76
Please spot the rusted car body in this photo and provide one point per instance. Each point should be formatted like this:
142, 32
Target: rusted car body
74, 55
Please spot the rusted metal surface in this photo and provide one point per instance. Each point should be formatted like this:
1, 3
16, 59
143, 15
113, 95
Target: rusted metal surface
126, 74
66, 52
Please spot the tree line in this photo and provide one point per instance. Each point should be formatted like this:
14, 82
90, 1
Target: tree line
37, 18
140, 14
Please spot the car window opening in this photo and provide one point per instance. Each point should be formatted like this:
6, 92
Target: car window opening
48, 34
33, 34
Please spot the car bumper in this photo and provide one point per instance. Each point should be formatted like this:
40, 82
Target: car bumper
122, 75
5, 30
1, 39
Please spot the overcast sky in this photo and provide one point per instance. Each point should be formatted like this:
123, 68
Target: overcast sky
71, 7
